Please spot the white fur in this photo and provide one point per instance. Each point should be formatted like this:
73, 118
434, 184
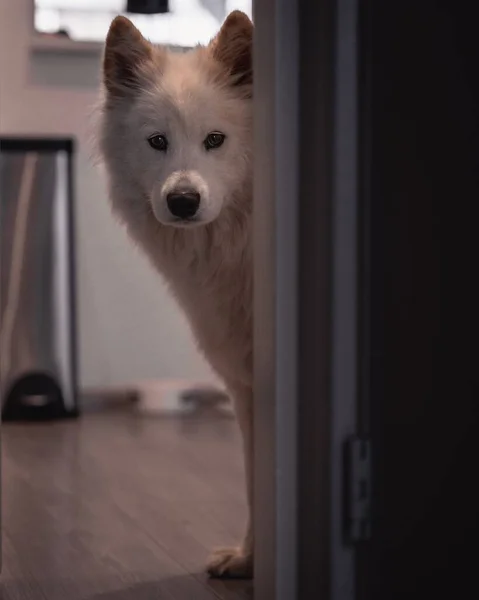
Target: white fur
209, 265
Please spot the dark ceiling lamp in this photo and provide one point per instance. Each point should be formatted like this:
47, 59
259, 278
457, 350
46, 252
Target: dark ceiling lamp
147, 7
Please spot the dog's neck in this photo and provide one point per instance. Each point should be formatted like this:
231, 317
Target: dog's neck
219, 245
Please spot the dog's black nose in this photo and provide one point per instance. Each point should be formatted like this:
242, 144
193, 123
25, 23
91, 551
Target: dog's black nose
183, 205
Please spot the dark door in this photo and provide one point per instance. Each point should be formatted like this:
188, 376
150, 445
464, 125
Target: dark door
419, 152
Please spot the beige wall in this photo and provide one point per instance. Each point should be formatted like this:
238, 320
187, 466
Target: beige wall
129, 326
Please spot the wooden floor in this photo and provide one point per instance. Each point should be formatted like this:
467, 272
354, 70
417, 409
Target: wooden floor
115, 506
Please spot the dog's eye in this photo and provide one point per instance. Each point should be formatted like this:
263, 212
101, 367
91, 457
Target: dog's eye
158, 142
214, 140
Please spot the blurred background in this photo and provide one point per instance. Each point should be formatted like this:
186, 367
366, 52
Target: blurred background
181, 22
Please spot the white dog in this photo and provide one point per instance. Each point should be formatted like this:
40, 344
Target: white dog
176, 139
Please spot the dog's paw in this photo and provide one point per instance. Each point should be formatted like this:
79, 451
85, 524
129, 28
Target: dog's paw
231, 563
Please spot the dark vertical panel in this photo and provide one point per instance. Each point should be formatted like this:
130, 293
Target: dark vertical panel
421, 194
317, 27
305, 360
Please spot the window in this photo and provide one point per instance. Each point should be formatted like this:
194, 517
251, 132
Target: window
187, 23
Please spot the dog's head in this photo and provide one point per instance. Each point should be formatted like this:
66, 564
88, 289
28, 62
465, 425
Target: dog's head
176, 127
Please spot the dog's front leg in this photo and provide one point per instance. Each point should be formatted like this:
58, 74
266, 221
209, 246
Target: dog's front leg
238, 562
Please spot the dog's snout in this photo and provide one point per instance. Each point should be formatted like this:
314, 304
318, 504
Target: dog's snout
183, 205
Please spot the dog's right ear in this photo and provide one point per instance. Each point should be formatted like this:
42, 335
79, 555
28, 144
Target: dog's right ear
126, 52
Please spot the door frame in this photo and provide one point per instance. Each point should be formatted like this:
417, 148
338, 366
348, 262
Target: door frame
305, 213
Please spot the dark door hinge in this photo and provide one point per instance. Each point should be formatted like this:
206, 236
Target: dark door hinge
358, 489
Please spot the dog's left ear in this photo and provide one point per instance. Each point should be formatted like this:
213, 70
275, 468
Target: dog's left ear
233, 47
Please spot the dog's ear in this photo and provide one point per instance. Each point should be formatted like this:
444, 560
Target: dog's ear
233, 47
126, 51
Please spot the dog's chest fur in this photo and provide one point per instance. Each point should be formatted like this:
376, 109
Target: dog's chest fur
209, 270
